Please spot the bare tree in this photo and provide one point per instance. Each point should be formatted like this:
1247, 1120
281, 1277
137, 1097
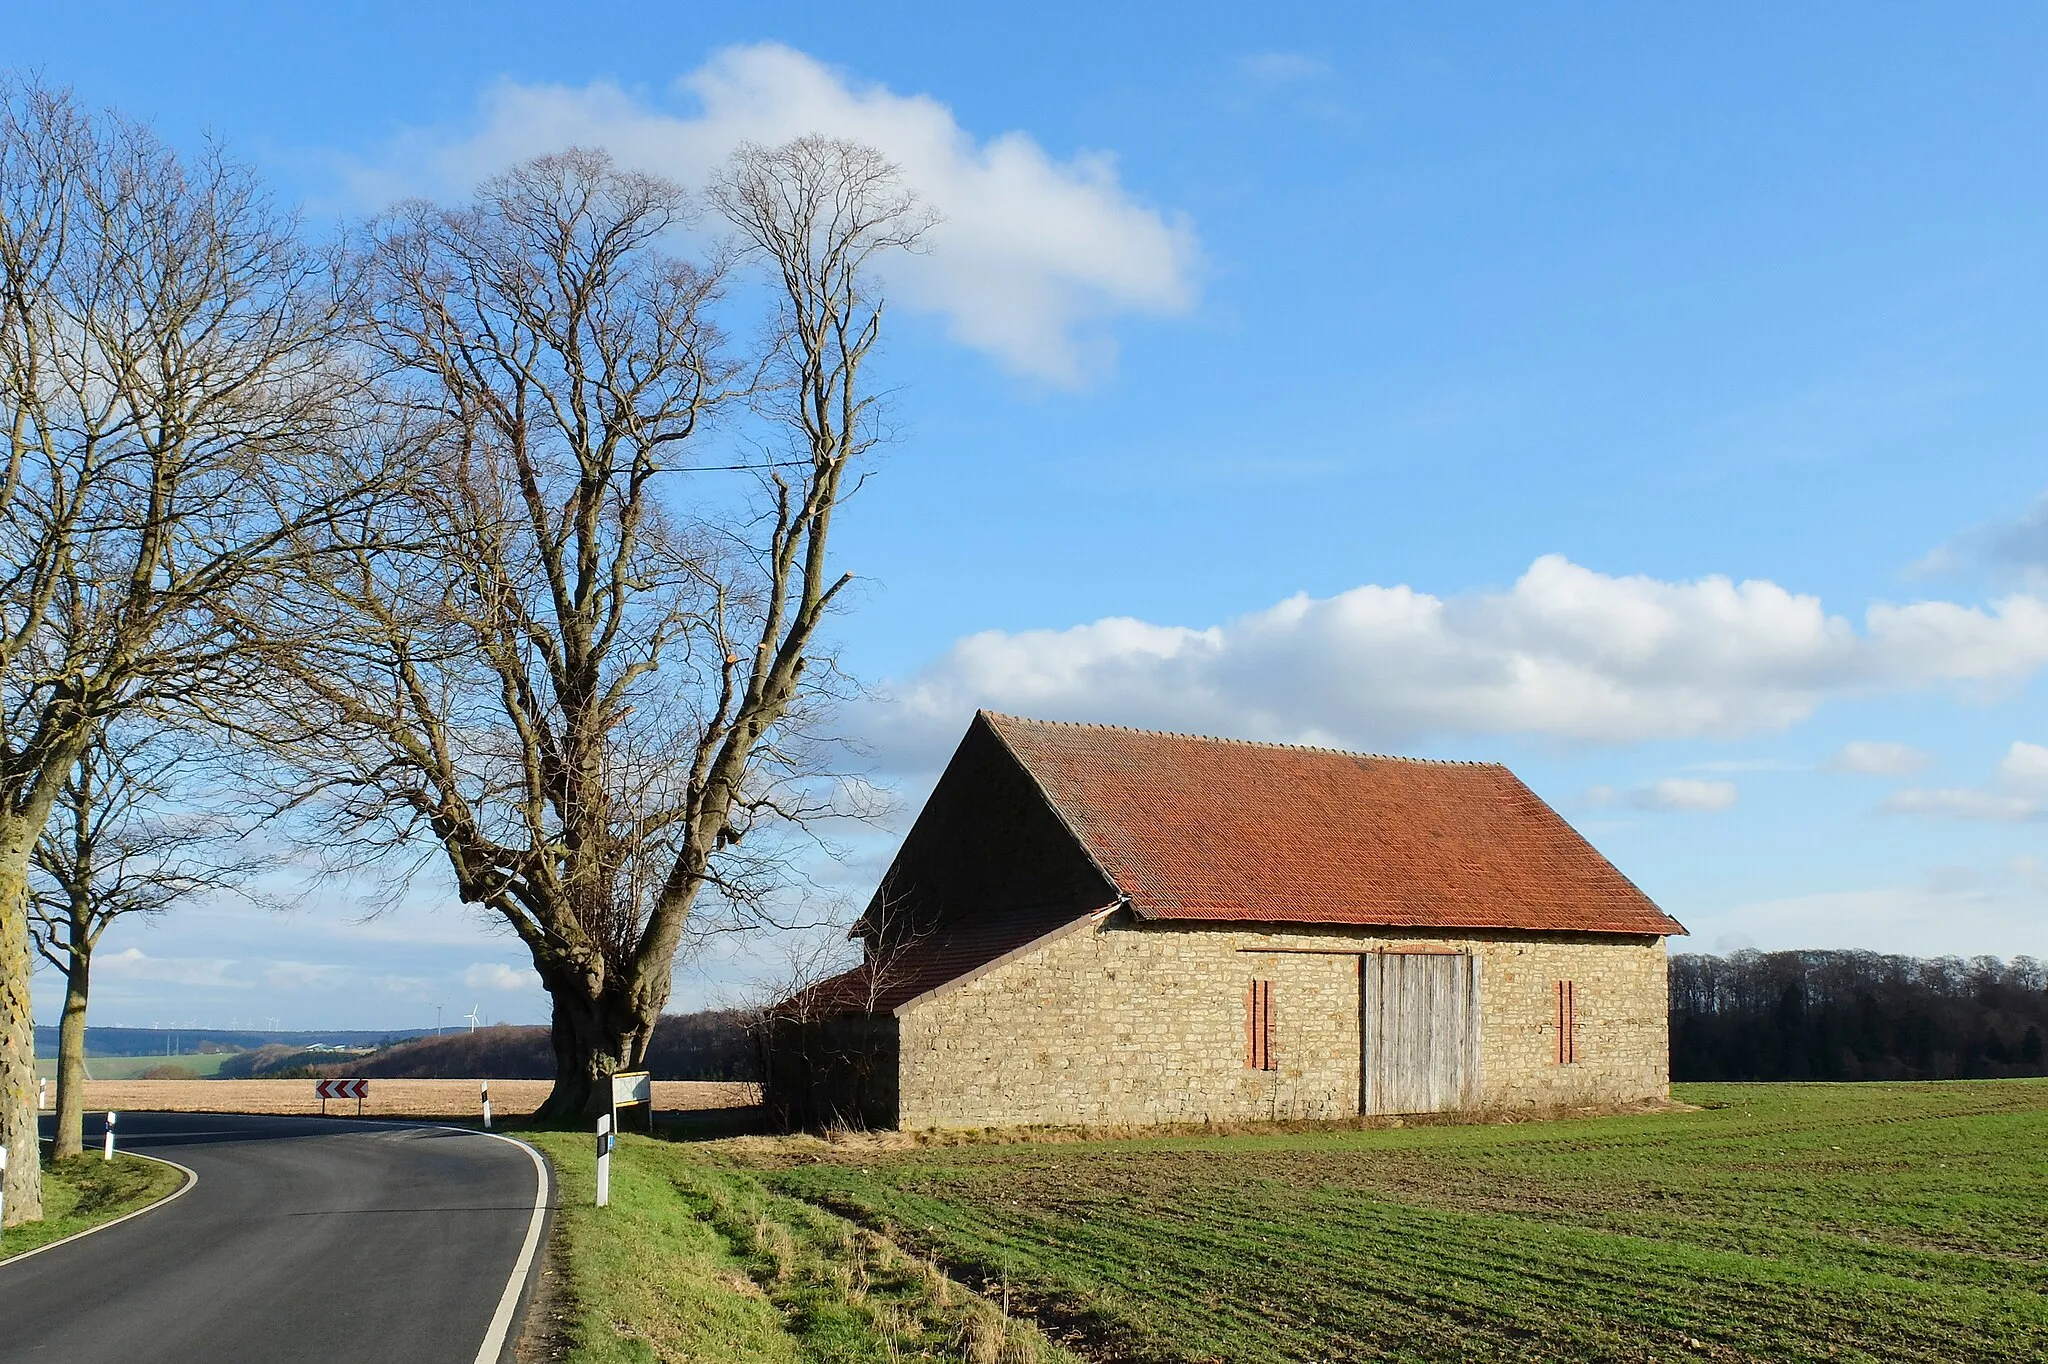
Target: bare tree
178, 428
824, 1038
131, 835
591, 678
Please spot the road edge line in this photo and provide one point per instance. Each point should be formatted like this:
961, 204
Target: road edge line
191, 1179
522, 1270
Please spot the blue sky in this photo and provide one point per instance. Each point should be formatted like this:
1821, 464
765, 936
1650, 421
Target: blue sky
1649, 399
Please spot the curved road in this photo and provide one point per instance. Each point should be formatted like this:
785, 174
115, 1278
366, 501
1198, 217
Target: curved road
304, 1240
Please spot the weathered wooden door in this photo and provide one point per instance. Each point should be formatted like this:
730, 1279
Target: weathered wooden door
1420, 1031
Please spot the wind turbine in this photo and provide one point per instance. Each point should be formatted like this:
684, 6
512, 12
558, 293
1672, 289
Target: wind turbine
471, 1016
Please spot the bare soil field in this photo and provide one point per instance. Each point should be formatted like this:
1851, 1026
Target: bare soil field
510, 1099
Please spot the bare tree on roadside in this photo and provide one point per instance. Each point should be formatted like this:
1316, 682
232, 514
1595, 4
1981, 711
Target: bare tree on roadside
177, 426
132, 834
595, 677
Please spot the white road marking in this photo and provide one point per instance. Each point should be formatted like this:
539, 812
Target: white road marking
191, 1178
508, 1303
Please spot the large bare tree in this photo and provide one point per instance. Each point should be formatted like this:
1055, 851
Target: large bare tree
136, 829
176, 428
589, 678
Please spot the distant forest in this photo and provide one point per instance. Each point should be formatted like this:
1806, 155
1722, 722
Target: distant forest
711, 1045
1856, 1016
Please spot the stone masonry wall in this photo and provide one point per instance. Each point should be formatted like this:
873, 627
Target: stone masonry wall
1131, 1023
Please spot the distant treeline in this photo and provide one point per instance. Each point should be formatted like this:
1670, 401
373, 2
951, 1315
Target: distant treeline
712, 1045
1856, 1016
164, 1041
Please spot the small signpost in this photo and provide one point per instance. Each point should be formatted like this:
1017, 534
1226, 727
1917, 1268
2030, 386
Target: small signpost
631, 1087
358, 1090
109, 1152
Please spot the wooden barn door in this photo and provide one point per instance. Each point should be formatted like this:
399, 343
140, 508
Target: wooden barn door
1420, 1032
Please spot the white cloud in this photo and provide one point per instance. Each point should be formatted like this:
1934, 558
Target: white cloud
2018, 791
1282, 68
1566, 652
1878, 758
2024, 767
498, 977
2016, 547
1963, 802
1998, 918
132, 963
296, 976
1035, 253
1668, 794
1683, 793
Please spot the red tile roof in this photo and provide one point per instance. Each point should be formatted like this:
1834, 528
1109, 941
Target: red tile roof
1221, 829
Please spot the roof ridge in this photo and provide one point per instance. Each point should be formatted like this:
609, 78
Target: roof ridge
1242, 743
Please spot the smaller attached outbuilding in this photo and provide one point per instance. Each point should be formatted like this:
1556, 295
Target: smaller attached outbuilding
1095, 925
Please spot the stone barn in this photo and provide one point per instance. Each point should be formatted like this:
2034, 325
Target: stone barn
1095, 925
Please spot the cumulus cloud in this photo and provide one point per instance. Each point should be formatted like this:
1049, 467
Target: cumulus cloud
1034, 256
496, 976
2018, 792
1878, 758
1566, 652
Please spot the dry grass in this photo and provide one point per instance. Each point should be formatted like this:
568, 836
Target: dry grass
510, 1099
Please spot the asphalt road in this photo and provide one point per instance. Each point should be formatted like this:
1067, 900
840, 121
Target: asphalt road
304, 1240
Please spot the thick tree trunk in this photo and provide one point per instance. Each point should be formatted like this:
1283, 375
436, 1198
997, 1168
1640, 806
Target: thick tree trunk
24, 1177
590, 1046
71, 1060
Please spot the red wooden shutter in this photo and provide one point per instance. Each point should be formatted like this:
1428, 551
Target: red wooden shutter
1251, 1026
1567, 1023
1258, 1025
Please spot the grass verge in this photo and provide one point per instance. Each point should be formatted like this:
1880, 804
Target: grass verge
696, 1260
84, 1191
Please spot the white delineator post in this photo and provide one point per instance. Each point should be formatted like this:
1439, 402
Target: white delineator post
604, 1160
487, 1105
111, 1115
3, 1186
42, 1092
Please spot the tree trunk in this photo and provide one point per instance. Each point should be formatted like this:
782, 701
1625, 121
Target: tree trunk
590, 1046
71, 1060
24, 1178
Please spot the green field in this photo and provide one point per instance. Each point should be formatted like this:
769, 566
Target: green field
1782, 1222
203, 1065
85, 1191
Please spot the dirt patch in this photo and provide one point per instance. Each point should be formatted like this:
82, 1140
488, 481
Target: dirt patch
510, 1099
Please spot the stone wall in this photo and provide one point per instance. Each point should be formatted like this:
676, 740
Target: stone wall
1145, 1023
